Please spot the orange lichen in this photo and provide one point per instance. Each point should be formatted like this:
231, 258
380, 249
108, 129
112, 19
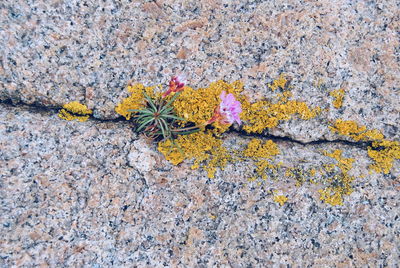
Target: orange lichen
338, 96
75, 110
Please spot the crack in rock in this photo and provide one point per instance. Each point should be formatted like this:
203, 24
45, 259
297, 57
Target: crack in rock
34, 108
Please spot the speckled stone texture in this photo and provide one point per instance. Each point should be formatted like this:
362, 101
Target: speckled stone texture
81, 194
95, 194
58, 51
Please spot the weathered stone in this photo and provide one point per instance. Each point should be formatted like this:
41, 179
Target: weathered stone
78, 194
96, 194
53, 53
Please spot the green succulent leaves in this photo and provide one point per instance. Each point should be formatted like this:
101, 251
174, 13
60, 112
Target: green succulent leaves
157, 119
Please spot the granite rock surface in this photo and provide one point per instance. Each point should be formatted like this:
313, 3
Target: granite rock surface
56, 51
82, 194
96, 194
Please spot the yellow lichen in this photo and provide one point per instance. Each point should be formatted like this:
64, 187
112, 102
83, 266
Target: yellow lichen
259, 149
384, 153
353, 130
75, 110
289, 172
135, 100
338, 96
171, 152
280, 199
340, 184
312, 172
340, 187
264, 114
297, 174
262, 152
206, 149
198, 106
331, 196
278, 83
253, 178
345, 164
318, 83
213, 217
203, 147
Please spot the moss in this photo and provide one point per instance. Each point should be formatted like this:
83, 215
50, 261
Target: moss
338, 96
75, 110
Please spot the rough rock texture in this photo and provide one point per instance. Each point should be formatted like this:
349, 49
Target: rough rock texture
82, 194
59, 51
95, 194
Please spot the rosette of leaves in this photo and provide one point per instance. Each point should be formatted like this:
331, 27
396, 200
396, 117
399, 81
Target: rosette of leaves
157, 119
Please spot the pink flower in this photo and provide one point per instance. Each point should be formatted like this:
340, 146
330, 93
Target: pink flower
228, 110
179, 80
176, 84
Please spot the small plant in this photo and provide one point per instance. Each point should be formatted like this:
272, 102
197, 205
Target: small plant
176, 84
157, 119
228, 110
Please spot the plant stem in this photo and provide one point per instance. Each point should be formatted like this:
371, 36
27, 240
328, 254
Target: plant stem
185, 129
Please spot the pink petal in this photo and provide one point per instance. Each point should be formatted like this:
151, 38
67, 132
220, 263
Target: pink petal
229, 99
222, 96
181, 78
237, 119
